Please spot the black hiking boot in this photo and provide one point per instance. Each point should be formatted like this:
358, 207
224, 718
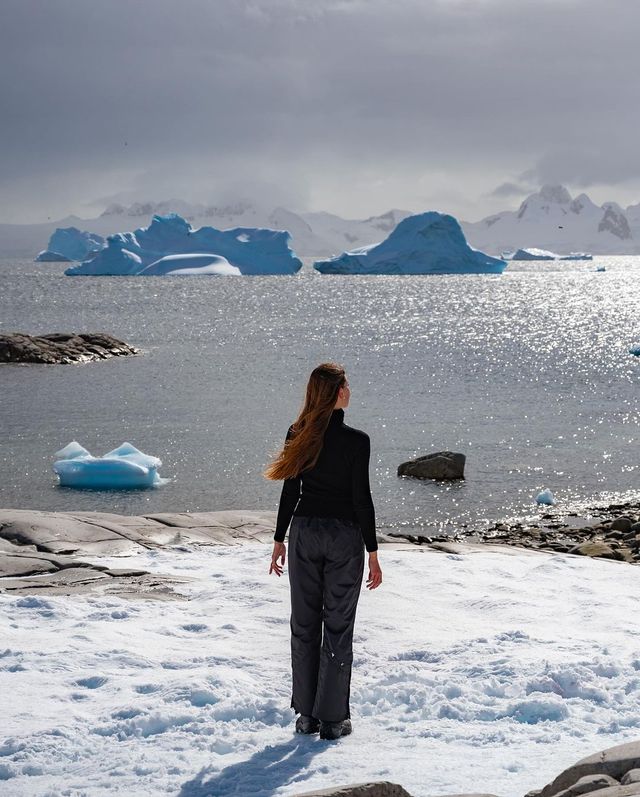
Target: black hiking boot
334, 730
307, 724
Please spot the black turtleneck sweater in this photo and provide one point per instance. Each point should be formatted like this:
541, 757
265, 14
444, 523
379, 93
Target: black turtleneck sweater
337, 485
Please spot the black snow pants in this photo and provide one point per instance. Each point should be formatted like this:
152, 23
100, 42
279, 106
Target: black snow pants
326, 564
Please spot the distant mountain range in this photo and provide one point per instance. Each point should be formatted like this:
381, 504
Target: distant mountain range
548, 219
552, 219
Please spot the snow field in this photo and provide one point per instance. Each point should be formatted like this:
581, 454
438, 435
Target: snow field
483, 671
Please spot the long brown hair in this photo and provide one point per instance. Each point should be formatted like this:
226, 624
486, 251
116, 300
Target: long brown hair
302, 448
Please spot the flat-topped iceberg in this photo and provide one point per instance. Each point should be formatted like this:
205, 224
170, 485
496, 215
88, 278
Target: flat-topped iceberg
241, 250
577, 256
70, 243
543, 254
124, 468
427, 243
533, 254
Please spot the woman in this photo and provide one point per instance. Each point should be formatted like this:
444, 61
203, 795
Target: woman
327, 499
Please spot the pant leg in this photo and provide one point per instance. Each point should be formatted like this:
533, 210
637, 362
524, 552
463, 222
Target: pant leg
305, 577
343, 571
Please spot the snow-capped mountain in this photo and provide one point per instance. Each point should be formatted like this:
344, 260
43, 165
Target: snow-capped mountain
549, 219
313, 234
552, 219
340, 235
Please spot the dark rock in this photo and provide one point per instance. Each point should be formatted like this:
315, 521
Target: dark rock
621, 524
443, 465
61, 348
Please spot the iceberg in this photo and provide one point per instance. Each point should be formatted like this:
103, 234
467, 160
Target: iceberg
47, 256
577, 256
124, 468
534, 254
546, 497
70, 243
427, 243
544, 254
241, 250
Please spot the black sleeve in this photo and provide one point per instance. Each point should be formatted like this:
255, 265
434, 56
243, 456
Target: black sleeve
361, 491
288, 500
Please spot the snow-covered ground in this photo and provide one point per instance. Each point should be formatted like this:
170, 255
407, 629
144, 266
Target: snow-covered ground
483, 671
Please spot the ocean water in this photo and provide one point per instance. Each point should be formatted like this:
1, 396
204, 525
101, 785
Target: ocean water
527, 373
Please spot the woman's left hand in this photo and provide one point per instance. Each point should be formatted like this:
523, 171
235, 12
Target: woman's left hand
279, 552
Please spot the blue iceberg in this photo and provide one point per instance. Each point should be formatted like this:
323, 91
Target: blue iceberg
124, 468
47, 256
428, 243
241, 250
546, 498
70, 243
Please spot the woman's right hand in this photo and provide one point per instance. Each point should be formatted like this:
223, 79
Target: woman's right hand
279, 552
375, 571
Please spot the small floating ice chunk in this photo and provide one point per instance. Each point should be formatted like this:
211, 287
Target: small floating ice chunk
545, 497
601, 268
635, 350
124, 468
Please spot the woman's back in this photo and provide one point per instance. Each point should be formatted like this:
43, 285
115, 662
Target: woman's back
337, 485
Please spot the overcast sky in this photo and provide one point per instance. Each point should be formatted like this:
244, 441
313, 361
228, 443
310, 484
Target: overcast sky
352, 106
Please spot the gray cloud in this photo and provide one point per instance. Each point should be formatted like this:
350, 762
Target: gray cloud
352, 105
508, 190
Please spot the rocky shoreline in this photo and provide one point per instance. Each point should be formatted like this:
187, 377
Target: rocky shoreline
607, 532
42, 551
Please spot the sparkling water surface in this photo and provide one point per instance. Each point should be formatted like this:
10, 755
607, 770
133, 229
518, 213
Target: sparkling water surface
527, 373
